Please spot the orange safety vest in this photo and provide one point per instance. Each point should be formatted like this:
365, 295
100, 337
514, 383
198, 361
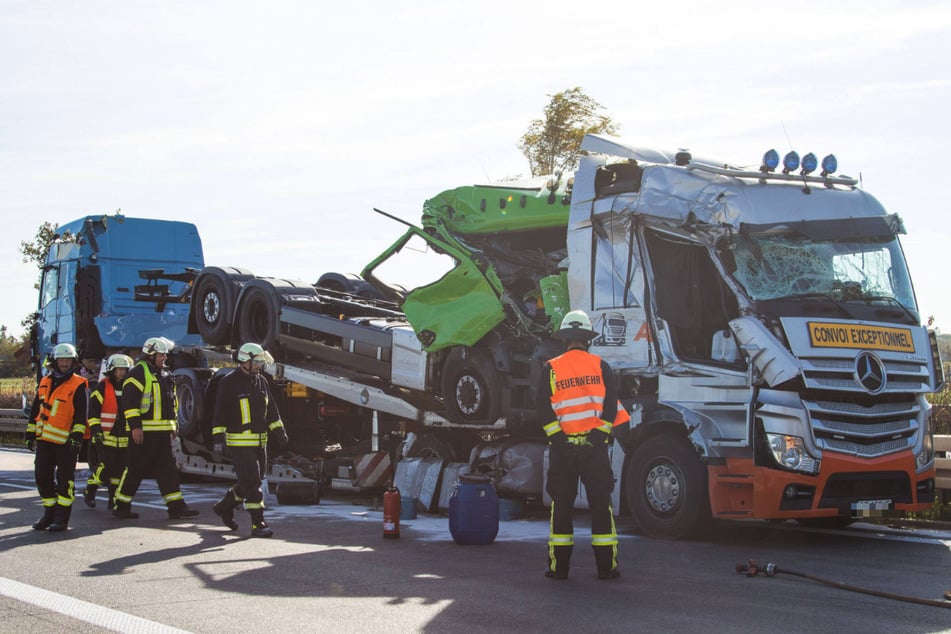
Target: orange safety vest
54, 422
577, 391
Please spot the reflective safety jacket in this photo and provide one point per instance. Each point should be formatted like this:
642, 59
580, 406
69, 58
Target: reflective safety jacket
104, 414
148, 399
60, 409
581, 395
244, 410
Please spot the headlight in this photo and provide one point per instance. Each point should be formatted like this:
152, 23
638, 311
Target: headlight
789, 452
926, 455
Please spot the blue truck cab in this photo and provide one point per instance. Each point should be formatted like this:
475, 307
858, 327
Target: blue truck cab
110, 282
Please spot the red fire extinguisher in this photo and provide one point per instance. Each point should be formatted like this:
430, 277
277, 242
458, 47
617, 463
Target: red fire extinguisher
391, 511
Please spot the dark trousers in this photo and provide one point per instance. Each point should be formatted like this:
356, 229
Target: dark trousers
55, 472
565, 465
154, 456
110, 467
250, 464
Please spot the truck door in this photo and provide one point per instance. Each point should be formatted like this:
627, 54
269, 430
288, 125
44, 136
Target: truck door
55, 315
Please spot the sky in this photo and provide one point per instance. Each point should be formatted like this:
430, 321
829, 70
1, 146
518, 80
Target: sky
277, 127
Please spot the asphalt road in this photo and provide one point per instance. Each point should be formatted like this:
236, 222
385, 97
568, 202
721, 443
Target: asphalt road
328, 568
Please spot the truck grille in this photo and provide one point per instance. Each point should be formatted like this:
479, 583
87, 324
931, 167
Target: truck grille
867, 431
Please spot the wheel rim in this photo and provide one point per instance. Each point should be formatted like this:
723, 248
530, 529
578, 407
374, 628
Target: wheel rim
468, 394
211, 308
663, 487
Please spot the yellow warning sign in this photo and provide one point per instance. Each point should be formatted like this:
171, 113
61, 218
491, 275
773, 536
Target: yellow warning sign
826, 335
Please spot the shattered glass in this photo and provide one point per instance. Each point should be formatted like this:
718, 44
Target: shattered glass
776, 265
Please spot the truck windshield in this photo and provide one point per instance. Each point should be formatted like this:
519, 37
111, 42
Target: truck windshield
855, 261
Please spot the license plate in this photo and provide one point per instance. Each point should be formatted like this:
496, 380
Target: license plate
865, 506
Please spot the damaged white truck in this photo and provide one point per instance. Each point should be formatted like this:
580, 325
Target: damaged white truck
762, 322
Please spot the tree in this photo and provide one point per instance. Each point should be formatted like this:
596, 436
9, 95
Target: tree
36, 251
552, 144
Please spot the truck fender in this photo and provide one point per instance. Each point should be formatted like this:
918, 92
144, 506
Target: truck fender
257, 312
211, 313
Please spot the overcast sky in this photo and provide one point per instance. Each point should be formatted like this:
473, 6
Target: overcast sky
276, 126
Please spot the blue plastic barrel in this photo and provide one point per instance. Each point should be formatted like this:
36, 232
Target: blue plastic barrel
474, 510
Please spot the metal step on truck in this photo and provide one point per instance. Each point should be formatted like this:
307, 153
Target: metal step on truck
761, 320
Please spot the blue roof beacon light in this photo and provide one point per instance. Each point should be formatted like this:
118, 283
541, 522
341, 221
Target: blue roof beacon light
770, 161
790, 162
809, 163
829, 165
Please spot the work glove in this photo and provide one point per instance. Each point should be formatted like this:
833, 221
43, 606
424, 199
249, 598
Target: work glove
98, 438
218, 444
597, 437
75, 444
31, 443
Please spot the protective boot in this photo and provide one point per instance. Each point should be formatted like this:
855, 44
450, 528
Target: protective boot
605, 557
89, 495
178, 510
558, 567
124, 511
224, 508
259, 527
44, 522
60, 518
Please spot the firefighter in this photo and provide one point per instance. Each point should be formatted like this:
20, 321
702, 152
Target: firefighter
107, 429
577, 399
150, 408
244, 416
55, 433
89, 369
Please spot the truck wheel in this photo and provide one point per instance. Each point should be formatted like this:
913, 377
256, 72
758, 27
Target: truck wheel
666, 487
191, 404
431, 446
471, 388
212, 307
258, 317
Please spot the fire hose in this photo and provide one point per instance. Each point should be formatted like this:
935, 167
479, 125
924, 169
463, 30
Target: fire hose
752, 569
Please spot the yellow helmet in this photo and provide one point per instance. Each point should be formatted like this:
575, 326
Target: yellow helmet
159, 345
65, 351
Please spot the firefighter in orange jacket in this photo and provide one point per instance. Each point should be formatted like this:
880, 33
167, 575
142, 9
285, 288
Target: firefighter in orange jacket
55, 433
150, 408
107, 429
245, 415
577, 402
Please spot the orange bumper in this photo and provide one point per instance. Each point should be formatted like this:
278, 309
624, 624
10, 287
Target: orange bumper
739, 489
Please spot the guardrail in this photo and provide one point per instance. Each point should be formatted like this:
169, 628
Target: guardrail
942, 462
12, 420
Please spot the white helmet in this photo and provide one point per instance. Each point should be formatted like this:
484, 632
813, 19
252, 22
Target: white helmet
576, 326
254, 352
119, 361
159, 345
65, 351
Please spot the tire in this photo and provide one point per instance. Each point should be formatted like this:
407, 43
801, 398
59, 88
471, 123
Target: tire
212, 307
258, 317
191, 403
666, 487
471, 388
290, 493
431, 446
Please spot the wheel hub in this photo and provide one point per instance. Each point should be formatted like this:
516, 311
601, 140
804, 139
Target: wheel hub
468, 395
663, 488
211, 307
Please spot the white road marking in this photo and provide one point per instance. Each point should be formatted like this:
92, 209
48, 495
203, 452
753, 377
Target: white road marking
82, 610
